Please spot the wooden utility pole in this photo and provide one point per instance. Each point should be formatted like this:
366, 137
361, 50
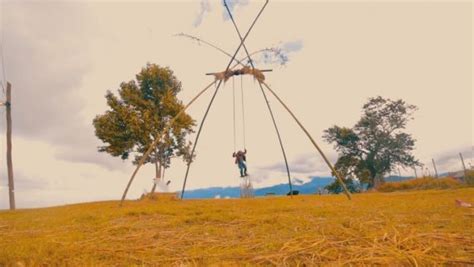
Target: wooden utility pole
11, 185
463, 166
434, 166
416, 174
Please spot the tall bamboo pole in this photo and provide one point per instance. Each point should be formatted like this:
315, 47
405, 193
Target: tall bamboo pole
434, 166
158, 138
11, 184
463, 166
339, 178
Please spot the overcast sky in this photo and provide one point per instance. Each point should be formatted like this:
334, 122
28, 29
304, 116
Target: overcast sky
62, 56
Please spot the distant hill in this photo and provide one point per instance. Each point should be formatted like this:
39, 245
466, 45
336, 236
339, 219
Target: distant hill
310, 187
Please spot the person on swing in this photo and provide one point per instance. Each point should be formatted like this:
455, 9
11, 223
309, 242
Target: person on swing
240, 159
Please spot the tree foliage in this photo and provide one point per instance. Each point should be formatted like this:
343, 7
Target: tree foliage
377, 142
140, 113
351, 185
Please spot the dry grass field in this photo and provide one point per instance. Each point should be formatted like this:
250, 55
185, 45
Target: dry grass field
402, 228
424, 183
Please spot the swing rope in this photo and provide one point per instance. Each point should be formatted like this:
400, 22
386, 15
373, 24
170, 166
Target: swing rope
243, 110
233, 114
234, 123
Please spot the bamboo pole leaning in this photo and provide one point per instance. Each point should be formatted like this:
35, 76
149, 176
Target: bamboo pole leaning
11, 185
158, 138
339, 178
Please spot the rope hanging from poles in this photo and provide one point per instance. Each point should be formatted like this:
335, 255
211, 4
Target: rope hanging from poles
215, 93
233, 114
243, 110
260, 81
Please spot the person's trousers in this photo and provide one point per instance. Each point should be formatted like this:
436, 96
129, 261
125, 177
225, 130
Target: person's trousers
243, 168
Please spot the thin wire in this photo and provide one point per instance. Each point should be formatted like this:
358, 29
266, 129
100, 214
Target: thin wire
199, 40
243, 109
233, 113
239, 61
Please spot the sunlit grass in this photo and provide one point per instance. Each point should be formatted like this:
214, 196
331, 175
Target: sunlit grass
402, 228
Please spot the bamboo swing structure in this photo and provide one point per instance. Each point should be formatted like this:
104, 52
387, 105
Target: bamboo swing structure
219, 78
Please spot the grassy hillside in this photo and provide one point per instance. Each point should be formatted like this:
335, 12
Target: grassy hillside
403, 228
424, 183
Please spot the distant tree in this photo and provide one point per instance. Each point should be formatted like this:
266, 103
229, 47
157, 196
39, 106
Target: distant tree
376, 144
139, 113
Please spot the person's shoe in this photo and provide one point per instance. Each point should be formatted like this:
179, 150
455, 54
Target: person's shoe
241, 176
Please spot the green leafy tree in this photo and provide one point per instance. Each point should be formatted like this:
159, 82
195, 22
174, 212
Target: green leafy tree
351, 185
376, 144
139, 113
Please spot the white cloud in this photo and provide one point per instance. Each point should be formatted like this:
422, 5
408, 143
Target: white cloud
232, 4
305, 164
41, 179
292, 46
47, 62
297, 181
450, 160
280, 54
205, 8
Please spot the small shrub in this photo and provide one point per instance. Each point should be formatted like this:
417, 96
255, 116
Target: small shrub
159, 196
469, 178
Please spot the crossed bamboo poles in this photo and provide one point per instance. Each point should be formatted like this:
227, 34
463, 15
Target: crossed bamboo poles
262, 84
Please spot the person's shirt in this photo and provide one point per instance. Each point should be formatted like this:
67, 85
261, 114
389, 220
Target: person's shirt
239, 156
